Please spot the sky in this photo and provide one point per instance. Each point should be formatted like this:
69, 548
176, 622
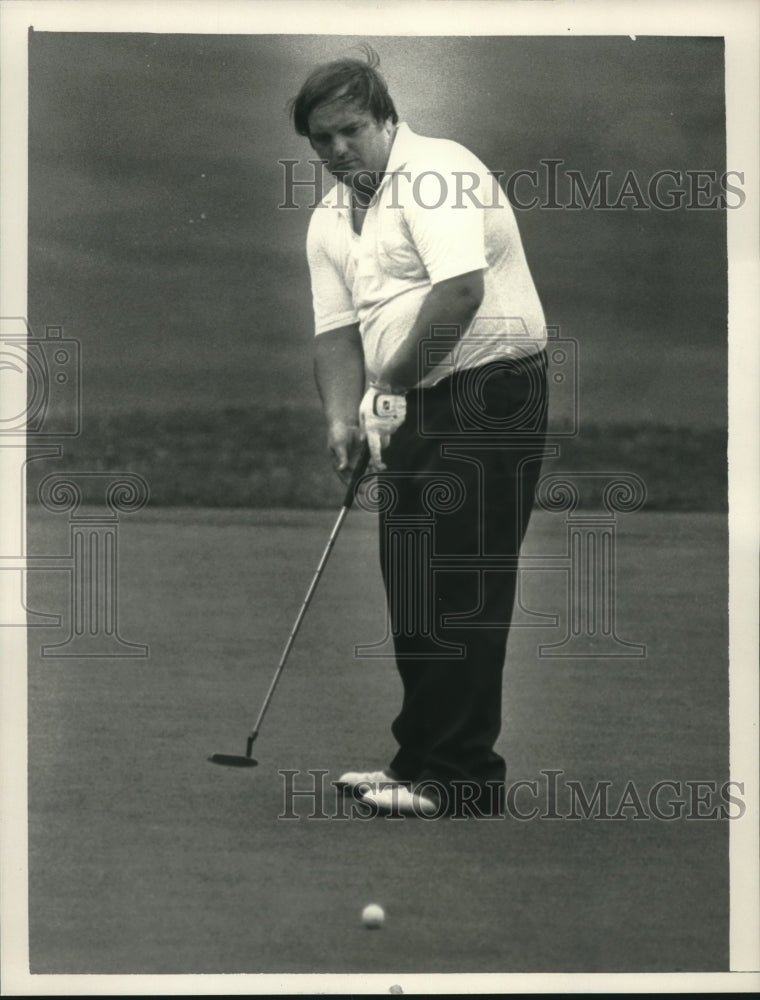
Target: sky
157, 240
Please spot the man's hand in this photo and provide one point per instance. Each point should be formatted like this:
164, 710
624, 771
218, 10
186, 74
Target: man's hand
344, 441
380, 414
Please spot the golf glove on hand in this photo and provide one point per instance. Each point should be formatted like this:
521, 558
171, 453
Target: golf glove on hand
380, 414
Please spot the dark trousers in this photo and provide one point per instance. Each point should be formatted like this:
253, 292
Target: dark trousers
461, 472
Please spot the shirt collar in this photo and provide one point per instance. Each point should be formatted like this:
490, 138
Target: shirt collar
400, 150
339, 196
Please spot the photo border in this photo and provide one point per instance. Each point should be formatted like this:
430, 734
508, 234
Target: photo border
738, 23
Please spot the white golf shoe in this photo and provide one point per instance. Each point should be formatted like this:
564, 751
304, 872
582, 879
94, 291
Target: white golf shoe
401, 800
359, 781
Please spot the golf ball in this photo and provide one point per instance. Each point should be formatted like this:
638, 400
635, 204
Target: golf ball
373, 916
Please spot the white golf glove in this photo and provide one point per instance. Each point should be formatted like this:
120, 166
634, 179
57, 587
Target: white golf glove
380, 414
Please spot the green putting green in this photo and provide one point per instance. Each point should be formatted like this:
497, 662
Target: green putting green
144, 858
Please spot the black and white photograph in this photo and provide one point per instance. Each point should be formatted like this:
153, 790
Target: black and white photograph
380, 482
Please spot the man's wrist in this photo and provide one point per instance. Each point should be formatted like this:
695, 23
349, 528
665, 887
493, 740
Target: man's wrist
346, 423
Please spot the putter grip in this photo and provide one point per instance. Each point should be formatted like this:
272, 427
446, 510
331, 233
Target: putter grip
359, 470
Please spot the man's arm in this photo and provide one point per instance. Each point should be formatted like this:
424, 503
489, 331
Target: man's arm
339, 373
453, 302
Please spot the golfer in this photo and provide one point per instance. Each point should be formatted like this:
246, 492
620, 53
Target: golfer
429, 345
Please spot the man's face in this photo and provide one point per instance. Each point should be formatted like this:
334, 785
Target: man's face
355, 146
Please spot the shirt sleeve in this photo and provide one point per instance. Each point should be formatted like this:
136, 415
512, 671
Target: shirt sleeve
448, 231
331, 296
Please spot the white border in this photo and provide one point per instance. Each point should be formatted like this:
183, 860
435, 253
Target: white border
742, 118
739, 22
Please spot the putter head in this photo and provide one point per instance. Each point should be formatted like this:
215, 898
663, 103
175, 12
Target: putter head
232, 760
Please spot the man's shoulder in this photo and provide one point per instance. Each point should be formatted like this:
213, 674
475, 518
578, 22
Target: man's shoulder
326, 212
422, 150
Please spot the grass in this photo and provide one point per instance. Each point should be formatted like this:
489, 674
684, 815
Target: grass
261, 456
145, 859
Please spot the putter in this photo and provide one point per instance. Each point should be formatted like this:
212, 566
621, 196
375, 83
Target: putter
246, 760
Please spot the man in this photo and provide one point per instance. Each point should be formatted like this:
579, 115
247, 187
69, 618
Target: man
430, 346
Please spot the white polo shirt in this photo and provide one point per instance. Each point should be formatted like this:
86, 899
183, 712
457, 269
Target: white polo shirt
437, 213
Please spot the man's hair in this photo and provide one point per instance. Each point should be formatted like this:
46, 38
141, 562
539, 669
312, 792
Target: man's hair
353, 80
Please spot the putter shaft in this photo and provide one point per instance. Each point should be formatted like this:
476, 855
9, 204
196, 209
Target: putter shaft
348, 501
